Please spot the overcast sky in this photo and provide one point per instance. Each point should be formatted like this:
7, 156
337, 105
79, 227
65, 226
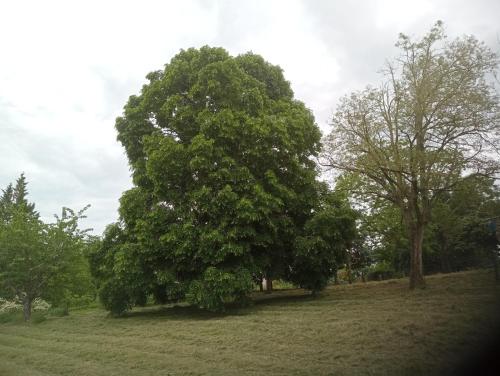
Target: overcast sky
68, 67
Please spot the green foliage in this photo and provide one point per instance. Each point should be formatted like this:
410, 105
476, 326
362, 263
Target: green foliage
40, 260
280, 284
114, 263
115, 297
323, 246
166, 288
381, 270
457, 237
385, 236
218, 287
220, 153
14, 200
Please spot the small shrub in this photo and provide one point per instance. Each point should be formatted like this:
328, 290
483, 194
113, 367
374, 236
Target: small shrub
40, 305
218, 288
115, 297
8, 306
11, 310
280, 284
381, 271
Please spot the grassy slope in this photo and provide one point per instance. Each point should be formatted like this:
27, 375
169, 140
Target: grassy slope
378, 328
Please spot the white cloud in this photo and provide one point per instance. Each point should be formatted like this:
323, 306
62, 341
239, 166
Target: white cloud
67, 69
401, 14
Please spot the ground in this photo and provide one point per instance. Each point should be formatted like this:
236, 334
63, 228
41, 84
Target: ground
375, 328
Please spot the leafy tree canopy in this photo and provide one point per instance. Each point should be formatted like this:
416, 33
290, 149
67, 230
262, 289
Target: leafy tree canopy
220, 154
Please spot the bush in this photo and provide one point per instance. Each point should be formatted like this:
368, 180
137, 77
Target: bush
280, 284
9, 306
115, 297
381, 271
11, 310
219, 287
40, 305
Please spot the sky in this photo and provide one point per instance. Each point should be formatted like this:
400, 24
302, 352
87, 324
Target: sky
68, 67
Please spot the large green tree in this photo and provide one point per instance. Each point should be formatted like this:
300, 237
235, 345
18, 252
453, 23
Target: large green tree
224, 182
39, 260
434, 118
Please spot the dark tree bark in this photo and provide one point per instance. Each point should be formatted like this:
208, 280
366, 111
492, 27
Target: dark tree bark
416, 266
269, 284
445, 260
495, 253
27, 303
349, 269
495, 266
494, 259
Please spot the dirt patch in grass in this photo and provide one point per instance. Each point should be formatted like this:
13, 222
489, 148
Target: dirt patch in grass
376, 328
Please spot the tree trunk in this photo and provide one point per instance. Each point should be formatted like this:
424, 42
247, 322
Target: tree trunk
416, 267
444, 255
27, 301
348, 268
495, 252
261, 284
494, 258
269, 284
495, 266
335, 277
445, 261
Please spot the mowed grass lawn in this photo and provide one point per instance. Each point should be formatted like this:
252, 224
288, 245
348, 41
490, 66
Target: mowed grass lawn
375, 328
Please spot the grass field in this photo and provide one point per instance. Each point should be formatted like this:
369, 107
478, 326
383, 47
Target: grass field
376, 328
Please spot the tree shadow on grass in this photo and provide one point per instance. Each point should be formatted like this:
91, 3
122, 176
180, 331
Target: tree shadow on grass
183, 311
172, 312
284, 296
